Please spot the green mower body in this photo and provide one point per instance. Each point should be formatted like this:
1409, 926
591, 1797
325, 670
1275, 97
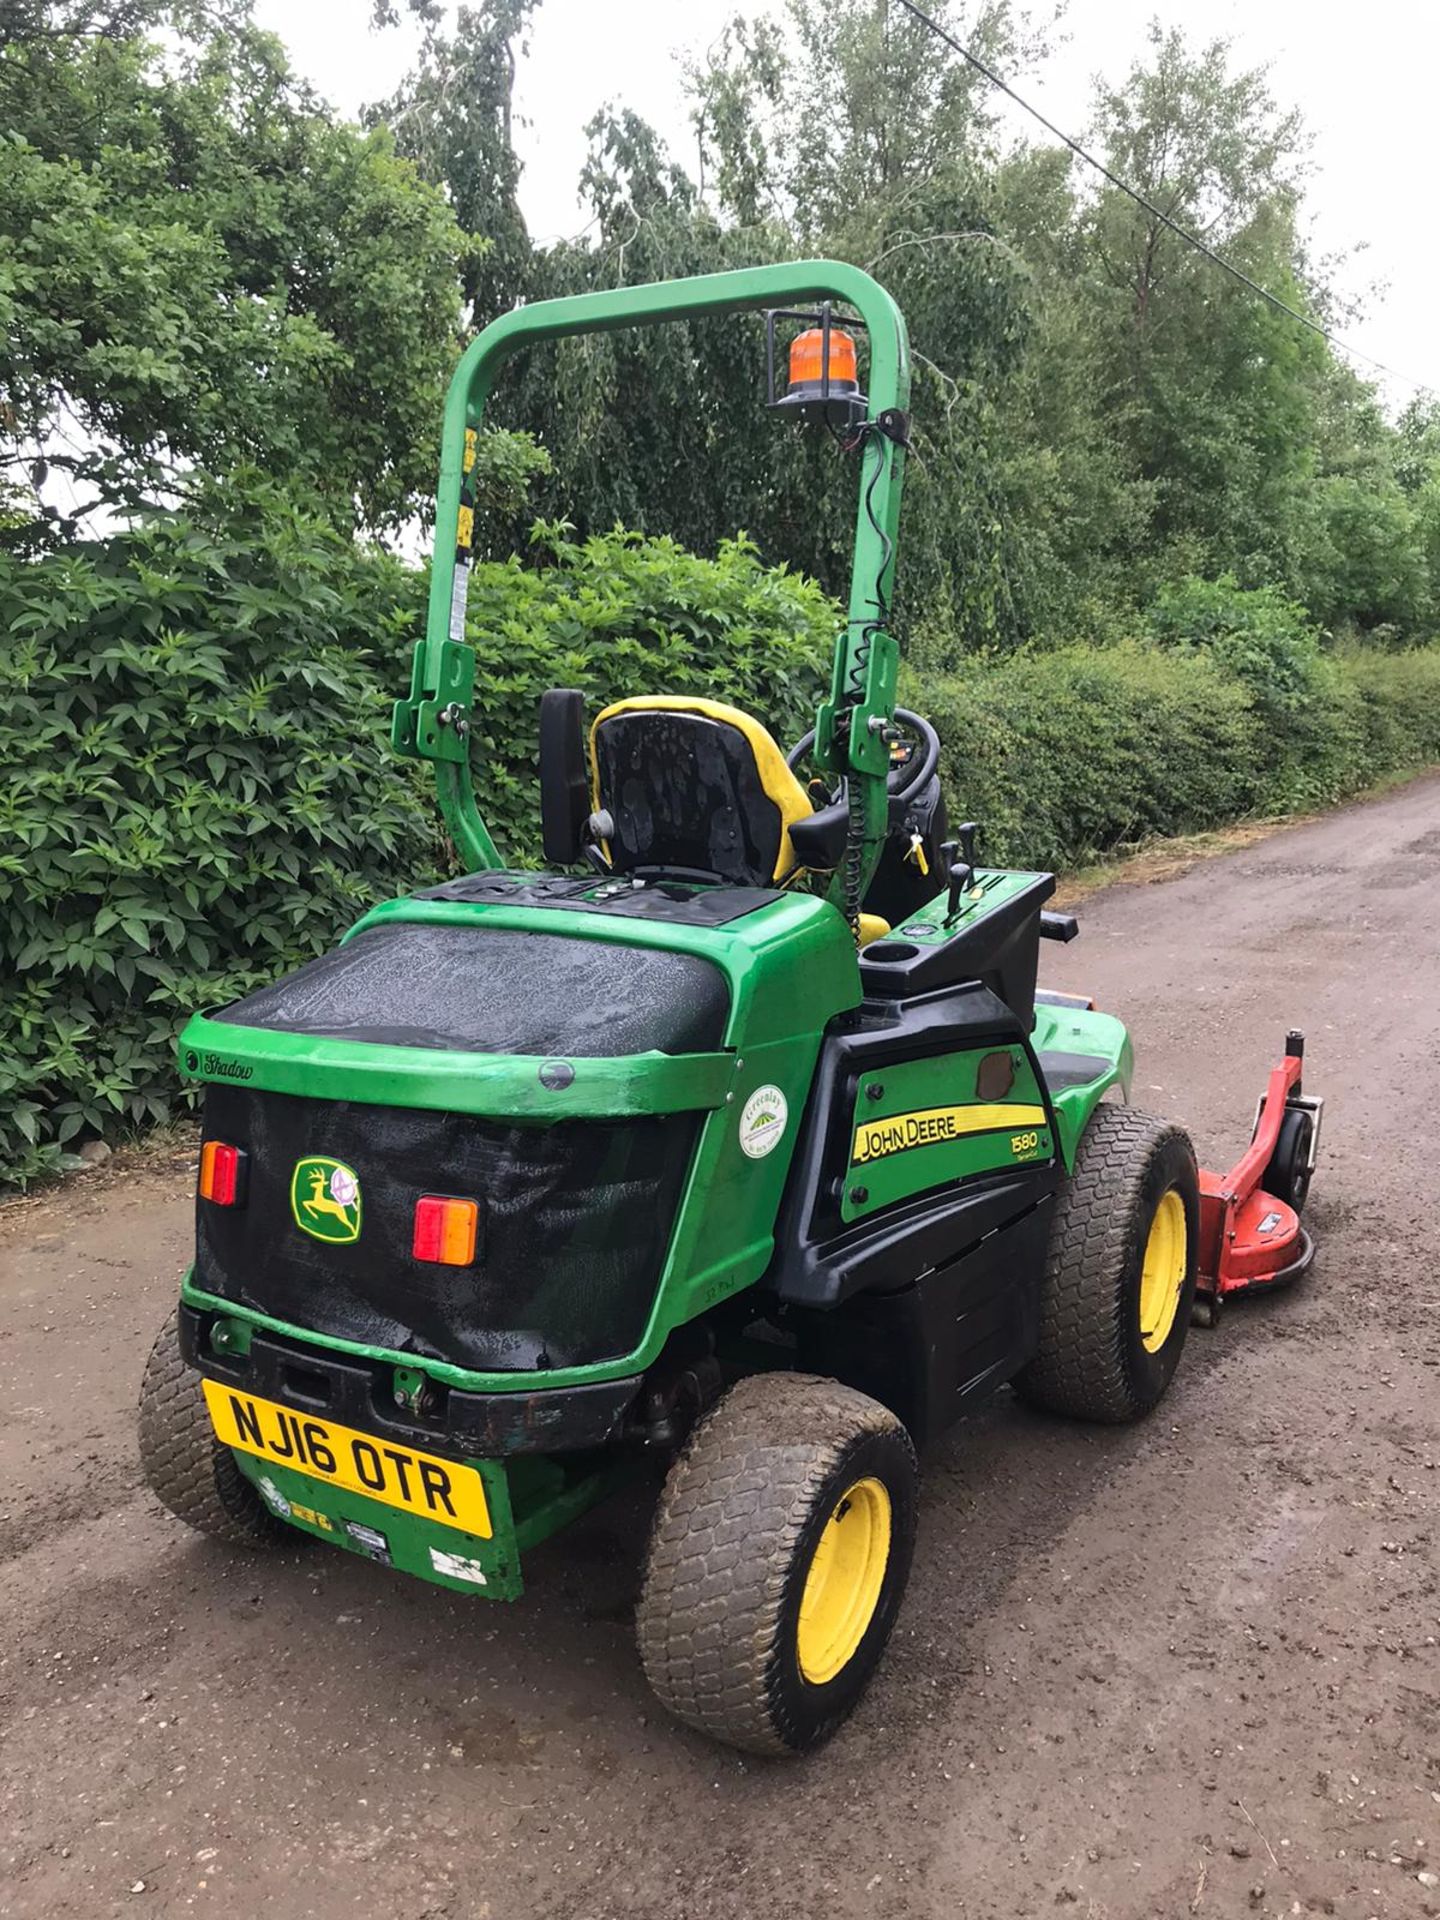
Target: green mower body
674, 1152
794, 1160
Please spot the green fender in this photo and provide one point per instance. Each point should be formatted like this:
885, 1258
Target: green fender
1064, 1038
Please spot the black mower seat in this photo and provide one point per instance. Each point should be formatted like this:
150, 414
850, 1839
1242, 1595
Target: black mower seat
694, 787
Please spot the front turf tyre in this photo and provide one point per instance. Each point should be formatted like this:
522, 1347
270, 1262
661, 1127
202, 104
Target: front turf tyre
778, 1561
184, 1465
1120, 1273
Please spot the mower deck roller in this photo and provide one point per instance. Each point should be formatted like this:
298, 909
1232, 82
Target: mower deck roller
742, 1138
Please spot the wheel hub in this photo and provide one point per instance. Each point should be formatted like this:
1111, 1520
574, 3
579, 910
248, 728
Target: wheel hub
842, 1588
1162, 1276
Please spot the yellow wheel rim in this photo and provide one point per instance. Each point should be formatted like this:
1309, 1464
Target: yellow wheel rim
1162, 1277
842, 1588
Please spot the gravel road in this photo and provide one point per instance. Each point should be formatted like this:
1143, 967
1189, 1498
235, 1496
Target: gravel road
1184, 1669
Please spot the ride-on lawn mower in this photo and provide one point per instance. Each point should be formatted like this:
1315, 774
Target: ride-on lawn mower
740, 1137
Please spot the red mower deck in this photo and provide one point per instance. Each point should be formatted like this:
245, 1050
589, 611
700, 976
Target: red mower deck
1250, 1236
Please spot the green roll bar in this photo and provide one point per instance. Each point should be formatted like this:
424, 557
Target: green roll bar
851, 725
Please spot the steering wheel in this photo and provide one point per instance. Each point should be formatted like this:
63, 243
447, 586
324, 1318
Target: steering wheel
902, 783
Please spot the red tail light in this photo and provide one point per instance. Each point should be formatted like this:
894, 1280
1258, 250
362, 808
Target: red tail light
222, 1174
445, 1230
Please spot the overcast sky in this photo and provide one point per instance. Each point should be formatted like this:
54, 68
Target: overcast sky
1364, 81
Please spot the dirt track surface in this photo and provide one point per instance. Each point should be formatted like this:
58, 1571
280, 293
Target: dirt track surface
1189, 1668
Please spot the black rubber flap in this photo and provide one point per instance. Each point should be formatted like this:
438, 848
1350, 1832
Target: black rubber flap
479, 990
575, 1221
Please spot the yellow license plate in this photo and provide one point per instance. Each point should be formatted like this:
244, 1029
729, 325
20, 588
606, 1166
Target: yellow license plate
359, 1462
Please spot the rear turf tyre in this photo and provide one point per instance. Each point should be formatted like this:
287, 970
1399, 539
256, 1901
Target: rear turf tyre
778, 1561
1288, 1173
1120, 1274
184, 1466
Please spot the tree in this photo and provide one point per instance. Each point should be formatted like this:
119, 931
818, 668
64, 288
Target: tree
1417, 451
824, 113
1098, 408
198, 266
663, 429
880, 148
1214, 393
453, 116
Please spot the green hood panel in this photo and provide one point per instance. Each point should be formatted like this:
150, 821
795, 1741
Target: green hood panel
788, 968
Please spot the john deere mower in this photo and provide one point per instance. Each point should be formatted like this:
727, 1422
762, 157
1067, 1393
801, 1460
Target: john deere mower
739, 1139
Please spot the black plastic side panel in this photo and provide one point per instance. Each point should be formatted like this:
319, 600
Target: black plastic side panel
933, 1349
819, 1259
1000, 948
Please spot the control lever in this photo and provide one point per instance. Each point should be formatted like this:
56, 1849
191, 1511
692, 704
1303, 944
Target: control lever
968, 831
959, 873
1058, 926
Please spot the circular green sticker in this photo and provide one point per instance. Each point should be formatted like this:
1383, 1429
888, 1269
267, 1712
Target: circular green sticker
762, 1122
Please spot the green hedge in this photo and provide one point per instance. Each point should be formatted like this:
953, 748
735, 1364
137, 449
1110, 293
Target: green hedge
198, 787
196, 793
1071, 755
199, 792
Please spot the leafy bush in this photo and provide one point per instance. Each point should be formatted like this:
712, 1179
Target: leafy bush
1387, 712
1069, 755
1332, 721
1257, 634
1061, 755
197, 795
1269, 646
199, 788
200, 794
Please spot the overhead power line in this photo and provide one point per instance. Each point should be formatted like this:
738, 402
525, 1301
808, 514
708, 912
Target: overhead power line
1157, 213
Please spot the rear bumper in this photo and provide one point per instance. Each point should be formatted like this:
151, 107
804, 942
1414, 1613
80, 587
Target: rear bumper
314, 1378
552, 1468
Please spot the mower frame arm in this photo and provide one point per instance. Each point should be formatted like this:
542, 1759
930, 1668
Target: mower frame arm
434, 723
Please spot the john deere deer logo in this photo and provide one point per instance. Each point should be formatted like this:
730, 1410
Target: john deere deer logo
325, 1199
